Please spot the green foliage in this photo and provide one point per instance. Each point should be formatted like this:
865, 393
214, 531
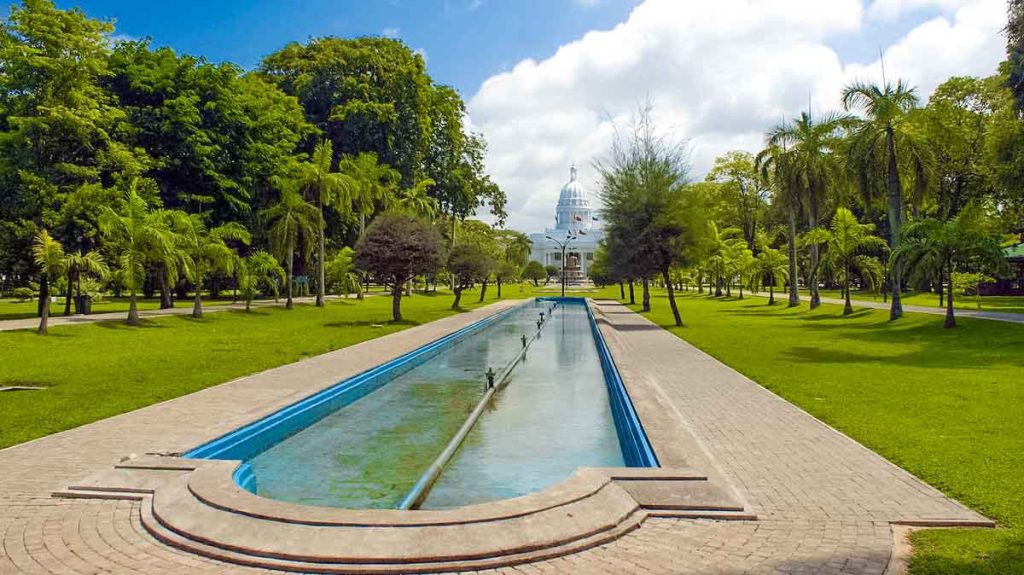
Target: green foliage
293, 226
341, 273
23, 294
534, 271
259, 270
468, 263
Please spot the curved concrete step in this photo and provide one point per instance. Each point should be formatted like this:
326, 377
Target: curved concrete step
176, 540
588, 521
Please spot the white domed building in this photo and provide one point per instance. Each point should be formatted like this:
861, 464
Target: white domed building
577, 225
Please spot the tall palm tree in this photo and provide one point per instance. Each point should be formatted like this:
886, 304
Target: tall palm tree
812, 169
772, 162
848, 242
140, 235
293, 224
325, 188
968, 240
48, 254
880, 140
774, 265
719, 242
258, 269
204, 251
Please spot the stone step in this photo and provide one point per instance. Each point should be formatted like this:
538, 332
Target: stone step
176, 509
169, 537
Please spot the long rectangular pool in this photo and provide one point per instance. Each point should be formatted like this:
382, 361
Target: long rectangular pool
365, 442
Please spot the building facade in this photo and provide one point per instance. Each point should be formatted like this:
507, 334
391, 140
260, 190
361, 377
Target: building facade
577, 226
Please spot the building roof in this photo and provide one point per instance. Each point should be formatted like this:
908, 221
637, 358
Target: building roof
1014, 252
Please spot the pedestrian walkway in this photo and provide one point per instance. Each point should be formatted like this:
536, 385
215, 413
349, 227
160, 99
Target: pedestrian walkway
971, 313
183, 308
825, 504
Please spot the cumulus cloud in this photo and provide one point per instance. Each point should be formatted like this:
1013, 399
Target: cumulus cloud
719, 73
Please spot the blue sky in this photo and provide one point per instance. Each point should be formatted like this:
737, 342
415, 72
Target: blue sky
464, 40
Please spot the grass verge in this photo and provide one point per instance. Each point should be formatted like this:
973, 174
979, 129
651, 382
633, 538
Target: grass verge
944, 404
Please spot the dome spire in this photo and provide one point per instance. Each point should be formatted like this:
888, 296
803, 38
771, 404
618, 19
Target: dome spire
572, 172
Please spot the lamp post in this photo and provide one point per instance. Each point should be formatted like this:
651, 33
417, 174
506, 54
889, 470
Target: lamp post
568, 238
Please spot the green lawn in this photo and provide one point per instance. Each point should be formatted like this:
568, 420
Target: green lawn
94, 371
947, 405
1000, 303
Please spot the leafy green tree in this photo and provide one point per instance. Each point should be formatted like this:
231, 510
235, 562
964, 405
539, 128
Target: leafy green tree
960, 243
1015, 50
293, 226
505, 272
647, 203
398, 247
963, 282
773, 163
325, 188
468, 263
550, 271
483, 235
204, 250
375, 185
812, 167
80, 263
886, 138
772, 265
259, 269
49, 256
417, 201
848, 245
341, 272
534, 272
139, 234
745, 193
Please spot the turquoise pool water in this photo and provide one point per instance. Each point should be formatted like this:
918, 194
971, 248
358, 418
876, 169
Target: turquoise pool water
366, 441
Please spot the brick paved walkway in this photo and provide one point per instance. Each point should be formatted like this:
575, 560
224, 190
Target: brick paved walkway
825, 503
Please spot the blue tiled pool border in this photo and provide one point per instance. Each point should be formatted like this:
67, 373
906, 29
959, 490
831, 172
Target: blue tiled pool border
249, 440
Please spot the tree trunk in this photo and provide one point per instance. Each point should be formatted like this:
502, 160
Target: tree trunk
647, 295
848, 308
499, 289
67, 292
248, 305
672, 299
794, 294
483, 290
812, 222
396, 300
291, 263
44, 317
895, 221
942, 293
622, 291
166, 299
133, 310
44, 295
458, 297
718, 283
771, 293
632, 295
197, 305
320, 257
741, 289
950, 318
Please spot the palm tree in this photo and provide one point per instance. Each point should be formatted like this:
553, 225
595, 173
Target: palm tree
375, 183
879, 140
258, 269
417, 202
140, 234
773, 264
49, 256
204, 251
719, 242
811, 169
847, 241
83, 262
341, 271
967, 240
329, 188
293, 224
772, 162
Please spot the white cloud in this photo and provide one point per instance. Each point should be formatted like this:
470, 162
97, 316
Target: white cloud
391, 32
893, 9
720, 73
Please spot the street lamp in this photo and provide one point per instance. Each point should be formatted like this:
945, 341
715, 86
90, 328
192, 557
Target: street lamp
568, 238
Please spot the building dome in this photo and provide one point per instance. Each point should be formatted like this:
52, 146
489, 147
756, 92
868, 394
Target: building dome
573, 210
573, 195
